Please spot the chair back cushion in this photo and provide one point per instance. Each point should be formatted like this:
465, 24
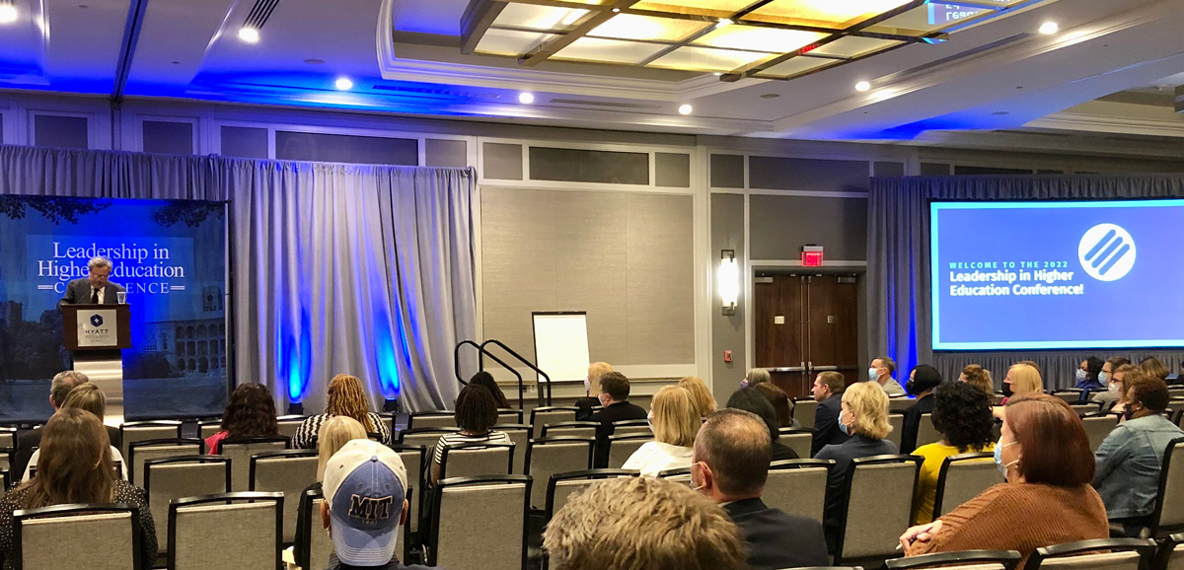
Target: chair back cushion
800, 491
520, 437
1172, 508
926, 432
288, 475
876, 518
138, 454
496, 543
1176, 558
548, 458
132, 434
217, 537
240, 460
541, 417
628, 430
509, 416
1097, 428
177, 480
965, 480
799, 442
1108, 561
804, 410
569, 431
417, 421
620, 449
413, 461
564, 489
288, 427
897, 423
474, 461
96, 542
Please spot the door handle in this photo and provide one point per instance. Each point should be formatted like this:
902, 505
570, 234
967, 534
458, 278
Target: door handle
825, 368
787, 369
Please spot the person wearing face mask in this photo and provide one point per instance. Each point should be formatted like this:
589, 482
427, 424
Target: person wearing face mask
730, 464
1112, 389
1088, 375
828, 392
864, 415
1129, 460
592, 389
922, 381
1022, 378
880, 371
614, 396
1047, 499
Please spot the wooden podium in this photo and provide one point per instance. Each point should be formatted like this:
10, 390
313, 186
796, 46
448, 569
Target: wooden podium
96, 335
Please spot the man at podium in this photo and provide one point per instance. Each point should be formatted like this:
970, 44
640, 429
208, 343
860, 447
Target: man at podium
93, 289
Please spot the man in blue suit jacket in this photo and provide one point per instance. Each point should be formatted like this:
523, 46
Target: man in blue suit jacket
730, 464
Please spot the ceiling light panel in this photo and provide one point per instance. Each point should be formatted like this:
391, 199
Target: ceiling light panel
836, 14
711, 8
511, 43
533, 17
851, 46
693, 58
630, 27
609, 51
771, 40
795, 66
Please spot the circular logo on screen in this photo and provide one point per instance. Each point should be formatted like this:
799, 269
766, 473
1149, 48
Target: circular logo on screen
1106, 252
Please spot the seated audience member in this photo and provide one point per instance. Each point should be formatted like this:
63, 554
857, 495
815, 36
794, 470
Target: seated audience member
1129, 460
249, 413
347, 397
614, 396
592, 390
76, 467
365, 473
864, 415
962, 413
84, 397
922, 380
1153, 368
978, 377
1087, 376
476, 414
828, 392
756, 376
750, 400
700, 395
731, 465
642, 523
675, 421
881, 372
1113, 389
781, 403
1123, 377
28, 441
1047, 498
485, 380
1022, 378
335, 433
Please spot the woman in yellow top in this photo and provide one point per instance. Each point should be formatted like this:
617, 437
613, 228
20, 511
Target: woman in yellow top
962, 413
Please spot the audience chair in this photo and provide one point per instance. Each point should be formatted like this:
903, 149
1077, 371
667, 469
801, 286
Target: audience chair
1097, 426
997, 399
431, 420
1178, 415
477, 460
388, 419
570, 429
1169, 502
621, 447
963, 477
681, 475
561, 486
519, 434
900, 403
872, 519
549, 455
415, 460
1085, 408
425, 438
6, 478
803, 411
540, 417
499, 504
240, 451
632, 427
798, 486
288, 425
1107, 553
6, 466
962, 560
797, 439
171, 478
926, 432
288, 471
315, 544
896, 420
131, 432
141, 451
94, 537
228, 530
1171, 554
509, 416
7, 437
206, 428
1069, 395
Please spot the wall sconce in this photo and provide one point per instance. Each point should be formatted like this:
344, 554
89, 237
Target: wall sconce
729, 281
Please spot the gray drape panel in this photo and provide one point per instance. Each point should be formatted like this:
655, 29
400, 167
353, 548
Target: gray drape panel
353, 269
898, 264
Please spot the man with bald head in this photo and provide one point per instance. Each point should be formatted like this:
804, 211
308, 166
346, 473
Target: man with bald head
730, 464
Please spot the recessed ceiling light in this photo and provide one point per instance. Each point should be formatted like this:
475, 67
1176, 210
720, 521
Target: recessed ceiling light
616, 10
1000, 113
249, 35
314, 61
1049, 28
863, 86
7, 13
526, 98
344, 84
724, 22
684, 109
176, 63
770, 95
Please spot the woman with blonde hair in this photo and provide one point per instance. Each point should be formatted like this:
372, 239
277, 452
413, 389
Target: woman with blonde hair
346, 398
700, 395
864, 417
592, 388
84, 397
335, 433
1022, 378
1153, 368
675, 422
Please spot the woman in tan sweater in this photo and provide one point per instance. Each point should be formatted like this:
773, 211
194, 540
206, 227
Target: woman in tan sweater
1047, 498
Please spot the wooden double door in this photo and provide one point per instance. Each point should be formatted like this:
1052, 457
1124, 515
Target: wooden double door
806, 324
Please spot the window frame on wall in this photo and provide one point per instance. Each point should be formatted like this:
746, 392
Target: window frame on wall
527, 182
133, 131
98, 123
421, 138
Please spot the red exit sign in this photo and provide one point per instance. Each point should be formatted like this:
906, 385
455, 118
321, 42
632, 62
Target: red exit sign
812, 256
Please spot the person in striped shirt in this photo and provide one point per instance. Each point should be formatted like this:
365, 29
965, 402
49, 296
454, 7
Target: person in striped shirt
476, 414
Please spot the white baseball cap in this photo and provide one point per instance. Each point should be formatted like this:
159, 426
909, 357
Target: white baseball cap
365, 485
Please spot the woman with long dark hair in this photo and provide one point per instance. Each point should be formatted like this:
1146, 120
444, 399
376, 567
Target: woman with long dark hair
75, 466
486, 380
249, 413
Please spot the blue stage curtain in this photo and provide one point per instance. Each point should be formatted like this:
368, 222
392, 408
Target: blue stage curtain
338, 268
898, 265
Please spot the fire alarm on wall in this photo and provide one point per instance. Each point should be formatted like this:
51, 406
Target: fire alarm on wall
811, 256
727, 356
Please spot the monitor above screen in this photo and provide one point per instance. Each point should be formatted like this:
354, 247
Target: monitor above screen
1057, 275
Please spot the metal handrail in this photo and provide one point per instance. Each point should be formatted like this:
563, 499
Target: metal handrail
481, 353
528, 364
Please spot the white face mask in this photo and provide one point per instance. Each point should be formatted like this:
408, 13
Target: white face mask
872, 374
587, 386
1114, 388
1080, 374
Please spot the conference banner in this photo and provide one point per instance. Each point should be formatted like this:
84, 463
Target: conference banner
171, 258
1057, 275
